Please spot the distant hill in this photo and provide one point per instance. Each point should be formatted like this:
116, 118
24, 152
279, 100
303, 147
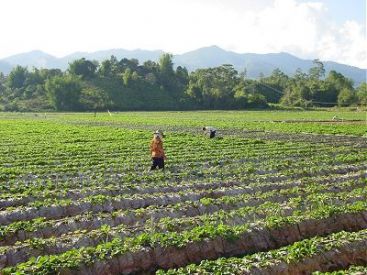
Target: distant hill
5, 67
141, 55
40, 59
31, 59
255, 64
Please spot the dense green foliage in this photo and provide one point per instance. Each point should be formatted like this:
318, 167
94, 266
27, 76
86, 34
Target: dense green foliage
127, 85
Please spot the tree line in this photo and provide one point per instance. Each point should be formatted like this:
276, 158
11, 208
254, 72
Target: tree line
127, 85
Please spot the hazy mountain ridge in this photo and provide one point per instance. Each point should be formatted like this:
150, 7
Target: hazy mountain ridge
5, 67
255, 64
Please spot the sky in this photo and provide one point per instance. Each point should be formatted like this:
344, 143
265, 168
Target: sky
331, 30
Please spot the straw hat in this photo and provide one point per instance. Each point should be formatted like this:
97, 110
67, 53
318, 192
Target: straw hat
159, 133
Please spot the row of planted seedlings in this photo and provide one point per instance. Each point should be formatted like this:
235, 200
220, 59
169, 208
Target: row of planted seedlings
233, 210
53, 189
64, 205
71, 161
158, 184
135, 168
247, 150
239, 185
345, 270
219, 175
362, 183
67, 201
316, 255
53, 145
20, 230
166, 249
224, 122
108, 169
333, 140
82, 143
56, 208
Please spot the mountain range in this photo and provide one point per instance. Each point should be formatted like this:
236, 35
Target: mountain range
255, 64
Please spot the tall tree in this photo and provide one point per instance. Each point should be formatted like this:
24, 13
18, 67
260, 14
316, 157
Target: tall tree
17, 77
346, 97
318, 70
214, 86
166, 64
84, 68
2, 85
64, 92
109, 67
167, 74
131, 64
273, 87
362, 94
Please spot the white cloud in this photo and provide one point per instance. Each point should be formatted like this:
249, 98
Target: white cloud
347, 44
303, 29
61, 27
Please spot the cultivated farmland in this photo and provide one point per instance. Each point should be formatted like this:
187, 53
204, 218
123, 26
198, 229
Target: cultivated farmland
275, 193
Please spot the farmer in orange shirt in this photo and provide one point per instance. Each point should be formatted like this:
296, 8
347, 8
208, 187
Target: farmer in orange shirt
156, 149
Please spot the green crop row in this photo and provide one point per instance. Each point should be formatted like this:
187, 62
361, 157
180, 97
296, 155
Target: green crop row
352, 270
266, 260
85, 256
269, 214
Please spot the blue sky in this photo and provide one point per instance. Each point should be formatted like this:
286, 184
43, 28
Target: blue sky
325, 29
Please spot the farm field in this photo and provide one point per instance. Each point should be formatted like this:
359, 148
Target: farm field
279, 192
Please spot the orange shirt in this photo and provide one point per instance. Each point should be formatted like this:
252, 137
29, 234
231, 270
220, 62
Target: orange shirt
156, 148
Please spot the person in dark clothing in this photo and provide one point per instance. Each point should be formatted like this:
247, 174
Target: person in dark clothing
210, 131
157, 162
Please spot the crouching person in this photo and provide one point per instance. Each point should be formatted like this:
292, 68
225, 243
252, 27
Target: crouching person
210, 131
157, 151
